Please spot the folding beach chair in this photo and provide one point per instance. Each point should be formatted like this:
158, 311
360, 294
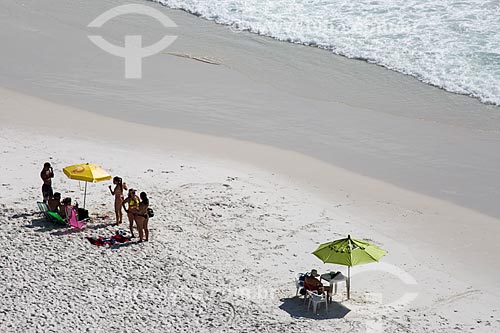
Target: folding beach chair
54, 217
299, 283
51, 216
73, 221
316, 299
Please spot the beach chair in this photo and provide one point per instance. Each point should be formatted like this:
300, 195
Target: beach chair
43, 208
310, 289
307, 289
54, 217
50, 216
316, 299
73, 221
299, 282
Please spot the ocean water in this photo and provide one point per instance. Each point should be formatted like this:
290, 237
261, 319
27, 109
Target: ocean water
451, 44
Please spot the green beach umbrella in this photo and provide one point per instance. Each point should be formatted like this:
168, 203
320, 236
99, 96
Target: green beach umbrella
349, 252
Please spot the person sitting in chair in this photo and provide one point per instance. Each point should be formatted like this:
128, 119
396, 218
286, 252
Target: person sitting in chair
312, 283
68, 208
54, 204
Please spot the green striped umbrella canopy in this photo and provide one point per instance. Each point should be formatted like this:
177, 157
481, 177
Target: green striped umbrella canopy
349, 252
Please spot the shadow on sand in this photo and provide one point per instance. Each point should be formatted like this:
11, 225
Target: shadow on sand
23, 215
93, 226
297, 309
90, 226
41, 224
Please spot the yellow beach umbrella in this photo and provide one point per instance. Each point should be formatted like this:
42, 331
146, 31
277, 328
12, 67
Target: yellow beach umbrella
86, 172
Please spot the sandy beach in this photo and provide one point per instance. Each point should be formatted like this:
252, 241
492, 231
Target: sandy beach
249, 165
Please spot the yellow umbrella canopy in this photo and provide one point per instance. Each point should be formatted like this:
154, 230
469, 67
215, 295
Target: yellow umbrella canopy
86, 172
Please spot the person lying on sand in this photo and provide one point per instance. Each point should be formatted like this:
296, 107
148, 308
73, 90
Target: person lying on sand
142, 217
120, 186
132, 201
47, 174
54, 204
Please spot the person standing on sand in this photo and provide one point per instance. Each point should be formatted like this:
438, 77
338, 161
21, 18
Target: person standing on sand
132, 201
142, 217
120, 186
47, 174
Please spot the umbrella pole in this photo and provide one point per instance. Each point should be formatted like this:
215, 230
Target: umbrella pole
348, 282
85, 195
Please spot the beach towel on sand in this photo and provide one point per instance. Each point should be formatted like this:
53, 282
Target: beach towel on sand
100, 241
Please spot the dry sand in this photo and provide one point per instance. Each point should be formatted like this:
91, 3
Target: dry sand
227, 240
250, 165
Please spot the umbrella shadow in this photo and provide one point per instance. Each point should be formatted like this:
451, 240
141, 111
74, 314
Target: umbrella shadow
296, 308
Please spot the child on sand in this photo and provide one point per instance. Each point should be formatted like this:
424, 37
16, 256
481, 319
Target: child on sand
120, 186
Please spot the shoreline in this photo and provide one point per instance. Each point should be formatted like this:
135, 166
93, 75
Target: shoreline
364, 60
255, 161
395, 213
343, 112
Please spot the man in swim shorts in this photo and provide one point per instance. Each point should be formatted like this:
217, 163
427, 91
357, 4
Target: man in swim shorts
47, 174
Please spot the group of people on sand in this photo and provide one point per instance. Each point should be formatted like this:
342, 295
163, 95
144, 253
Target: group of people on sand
136, 207
64, 207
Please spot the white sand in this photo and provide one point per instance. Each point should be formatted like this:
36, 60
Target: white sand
226, 229
313, 147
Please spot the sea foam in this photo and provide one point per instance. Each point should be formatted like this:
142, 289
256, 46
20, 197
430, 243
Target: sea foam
451, 44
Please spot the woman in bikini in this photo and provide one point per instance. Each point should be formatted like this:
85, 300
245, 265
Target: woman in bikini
132, 201
120, 186
142, 217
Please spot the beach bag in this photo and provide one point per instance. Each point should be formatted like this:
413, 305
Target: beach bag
150, 212
83, 214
